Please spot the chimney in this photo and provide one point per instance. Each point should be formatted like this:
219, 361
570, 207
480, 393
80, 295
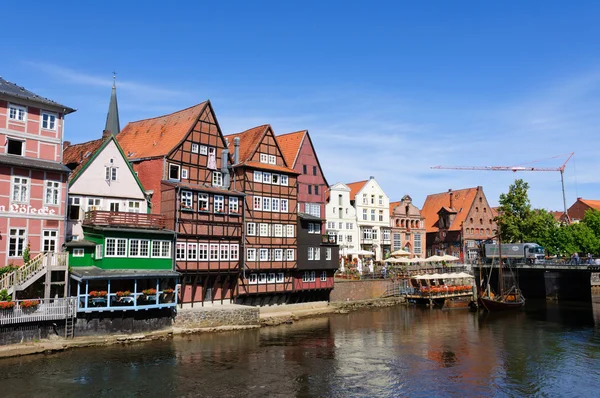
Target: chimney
66, 144
451, 198
224, 169
371, 177
105, 134
236, 151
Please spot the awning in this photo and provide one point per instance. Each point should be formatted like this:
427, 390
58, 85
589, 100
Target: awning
90, 273
80, 243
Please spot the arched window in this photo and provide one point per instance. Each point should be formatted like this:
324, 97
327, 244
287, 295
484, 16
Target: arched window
476, 209
471, 220
485, 209
480, 199
397, 222
481, 221
402, 223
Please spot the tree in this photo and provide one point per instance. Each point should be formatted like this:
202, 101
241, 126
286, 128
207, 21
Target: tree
542, 228
27, 254
514, 213
592, 220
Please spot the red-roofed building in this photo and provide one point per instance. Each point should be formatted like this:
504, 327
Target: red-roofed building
182, 159
457, 221
580, 207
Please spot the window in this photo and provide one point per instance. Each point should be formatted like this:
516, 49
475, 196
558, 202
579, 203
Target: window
192, 251
311, 253
372, 215
275, 204
278, 230
133, 206
234, 252
48, 121
290, 230
218, 203
267, 178
195, 148
264, 229
367, 233
217, 180
184, 174
418, 247
341, 225
262, 278
280, 277
173, 172
16, 112
139, 248
16, 242
202, 251
252, 279
99, 251
272, 159
323, 276
284, 205
110, 173
234, 205
214, 252
202, 202
271, 277
364, 214
328, 253
317, 253
304, 169
94, 204
315, 171
316, 189
251, 229
114, 206
161, 249
348, 225
380, 215
266, 204
14, 147
264, 158
264, 254
309, 189
278, 256
330, 225
257, 201
275, 178
364, 199
349, 238
224, 252
180, 251
372, 199
203, 150
74, 207
115, 247
186, 200
284, 180
78, 252
20, 192
306, 276
311, 228
251, 254
289, 254
258, 176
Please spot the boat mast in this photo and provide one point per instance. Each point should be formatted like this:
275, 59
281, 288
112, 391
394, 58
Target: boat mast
500, 281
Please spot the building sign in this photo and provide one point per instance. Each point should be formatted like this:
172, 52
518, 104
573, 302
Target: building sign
27, 209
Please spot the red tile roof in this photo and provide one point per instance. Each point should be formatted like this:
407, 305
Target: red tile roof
461, 203
249, 141
558, 215
290, 144
80, 155
355, 188
159, 135
594, 204
267, 166
392, 205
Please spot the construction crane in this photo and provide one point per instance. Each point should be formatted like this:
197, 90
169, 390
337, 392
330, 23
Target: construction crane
522, 167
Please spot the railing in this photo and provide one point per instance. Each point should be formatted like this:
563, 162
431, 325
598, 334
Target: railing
46, 310
112, 218
28, 271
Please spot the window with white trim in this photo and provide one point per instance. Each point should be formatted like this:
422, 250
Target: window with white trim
195, 148
133, 206
313, 276
264, 229
174, 171
218, 203
161, 249
251, 229
214, 252
234, 252
252, 279
317, 253
372, 215
323, 276
16, 242
262, 278
224, 252
364, 214
266, 204
418, 244
275, 204
139, 248
277, 230
264, 158
289, 254
180, 251
99, 252
94, 204
234, 207
187, 198
311, 253
271, 277
328, 253
275, 178
184, 174
284, 205
49, 121
15, 147
16, 112
267, 178
284, 180
257, 201
386, 234
203, 150
217, 179
78, 252
280, 277
20, 191
272, 159
115, 247
52, 196
192, 251
264, 254
203, 202
257, 176
278, 255
250, 254
202, 251
290, 230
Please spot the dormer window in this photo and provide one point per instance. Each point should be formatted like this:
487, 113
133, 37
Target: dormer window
264, 158
14, 147
16, 112
272, 159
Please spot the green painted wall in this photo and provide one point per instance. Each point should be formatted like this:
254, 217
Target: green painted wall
84, 261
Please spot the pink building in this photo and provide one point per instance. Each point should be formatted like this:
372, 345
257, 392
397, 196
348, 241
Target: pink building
33, 181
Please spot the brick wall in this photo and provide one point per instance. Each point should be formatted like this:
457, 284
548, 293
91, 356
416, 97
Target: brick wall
347, 290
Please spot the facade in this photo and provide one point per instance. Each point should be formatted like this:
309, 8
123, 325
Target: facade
341, 218
270, 245
32, 179
580, 207
408, 227
317, 254
457, 222
182, 160
373, 217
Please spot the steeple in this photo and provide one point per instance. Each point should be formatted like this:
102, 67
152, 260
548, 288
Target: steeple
112, 118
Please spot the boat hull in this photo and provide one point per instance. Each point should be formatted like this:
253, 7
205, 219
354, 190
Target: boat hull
495, 305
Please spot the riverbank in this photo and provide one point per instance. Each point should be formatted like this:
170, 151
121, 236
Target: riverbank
269, 316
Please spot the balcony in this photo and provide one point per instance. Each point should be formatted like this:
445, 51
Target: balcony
329, 239
124, 219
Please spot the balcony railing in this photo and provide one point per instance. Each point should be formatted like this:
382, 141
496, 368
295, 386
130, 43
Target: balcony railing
38, 310
124, 219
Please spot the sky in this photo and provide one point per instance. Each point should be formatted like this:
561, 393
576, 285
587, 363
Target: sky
386, 89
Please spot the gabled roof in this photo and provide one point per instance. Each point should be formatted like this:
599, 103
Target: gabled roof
290, 144
355, 188
462, 200
158, 136
80, 155
393, 205
594, 204
11, 89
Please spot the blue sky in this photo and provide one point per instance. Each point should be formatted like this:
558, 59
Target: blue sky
387, 89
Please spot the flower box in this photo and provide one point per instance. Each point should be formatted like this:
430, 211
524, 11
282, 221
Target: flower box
168, 291
125, 293
149, 292
98, 293
29, 303
7, 305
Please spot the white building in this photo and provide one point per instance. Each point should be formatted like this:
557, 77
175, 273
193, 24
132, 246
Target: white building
341, 218
372, 207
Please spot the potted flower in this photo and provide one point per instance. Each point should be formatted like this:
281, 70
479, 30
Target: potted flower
7, 305
98, 293
26, 304
149, 292
125, 293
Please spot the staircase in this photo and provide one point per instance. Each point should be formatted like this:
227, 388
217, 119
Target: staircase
26, 275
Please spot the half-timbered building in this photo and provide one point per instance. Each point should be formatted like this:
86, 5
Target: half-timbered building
182, 158
270, 244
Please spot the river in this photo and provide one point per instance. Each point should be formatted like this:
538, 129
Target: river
549, 349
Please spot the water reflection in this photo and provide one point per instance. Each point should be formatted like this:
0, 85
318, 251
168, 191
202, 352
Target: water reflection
549, 349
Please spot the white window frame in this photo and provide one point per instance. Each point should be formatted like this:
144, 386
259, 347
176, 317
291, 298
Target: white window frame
323, 276
271, 277
289, 254
78, 252
250, 254
224, 252
203, 150
217, 179
257, 203
263, 229
184, 174
178, 171
234, 252
262, 278
305, 277
317, 253
96, 204
213, 253
290, 230
278, 230
195, 148
163, 247
20, 242
284, 180
275, 179
328, 253
257, 176
278, 255
272, 159
53, 188
264, 158
99, 251
187, 200
203, 202
219, 204
266, 178
263, 255
234, 205
136, 244
50, 124
313, 276
266, 204
192, 252
252, 279
117, 243
311, 254
134, 206
180, 251
202, 251
275, 202
251, 229
19, 111
280, 277
284, 206
20, 189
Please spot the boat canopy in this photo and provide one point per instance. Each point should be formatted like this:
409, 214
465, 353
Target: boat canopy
453, 275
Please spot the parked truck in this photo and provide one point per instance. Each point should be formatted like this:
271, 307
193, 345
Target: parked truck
530, 253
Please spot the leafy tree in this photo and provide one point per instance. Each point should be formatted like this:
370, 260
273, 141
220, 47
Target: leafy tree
592, 220
542, 228
586, 241
27, 254
515, 213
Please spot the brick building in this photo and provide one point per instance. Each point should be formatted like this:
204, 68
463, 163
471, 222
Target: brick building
577, 210
408, 227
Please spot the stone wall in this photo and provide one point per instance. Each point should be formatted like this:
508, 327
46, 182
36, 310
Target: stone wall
234, 315
14, 334
123, 322
350, 290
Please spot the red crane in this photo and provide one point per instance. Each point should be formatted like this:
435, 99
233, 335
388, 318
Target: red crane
522, 167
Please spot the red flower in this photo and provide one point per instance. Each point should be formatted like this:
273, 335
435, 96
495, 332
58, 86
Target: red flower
29, 303
149, 292
98, 293
6, 305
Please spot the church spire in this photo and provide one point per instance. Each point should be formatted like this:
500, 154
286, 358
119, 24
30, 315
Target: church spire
112, 118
